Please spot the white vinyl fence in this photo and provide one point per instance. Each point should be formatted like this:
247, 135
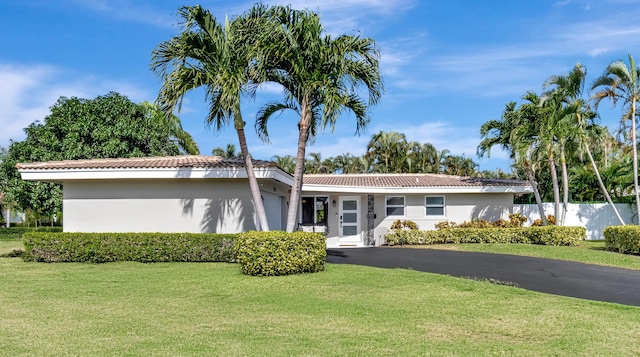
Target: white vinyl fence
593, 216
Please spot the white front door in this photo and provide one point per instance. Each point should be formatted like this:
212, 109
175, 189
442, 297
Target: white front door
349, 219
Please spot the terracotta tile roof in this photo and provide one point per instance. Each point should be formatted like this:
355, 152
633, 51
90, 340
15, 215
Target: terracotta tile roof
405, 180
200, 161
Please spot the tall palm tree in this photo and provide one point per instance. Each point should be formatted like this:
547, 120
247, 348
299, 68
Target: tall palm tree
568, 89
622, 82
319, 75
183, 139
512, 133
212, 56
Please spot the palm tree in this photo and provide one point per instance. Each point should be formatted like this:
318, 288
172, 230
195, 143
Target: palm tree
215, 57
388, 151
183, 139
568, 89
319, 75
286, 162
622, 82
228, 152
513, 134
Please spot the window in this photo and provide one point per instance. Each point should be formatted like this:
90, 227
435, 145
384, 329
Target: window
434, 205
395, 205
314, 210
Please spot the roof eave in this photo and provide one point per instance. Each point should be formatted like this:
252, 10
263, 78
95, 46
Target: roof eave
60, 175
425, 189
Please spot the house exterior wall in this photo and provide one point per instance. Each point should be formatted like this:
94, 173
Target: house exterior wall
167, 205
459, 207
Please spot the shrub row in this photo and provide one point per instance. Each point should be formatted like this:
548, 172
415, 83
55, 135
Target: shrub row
141, 247
549, 235
17, 232
623, 239
280, 253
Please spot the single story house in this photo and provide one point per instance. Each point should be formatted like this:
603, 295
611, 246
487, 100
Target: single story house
211, 194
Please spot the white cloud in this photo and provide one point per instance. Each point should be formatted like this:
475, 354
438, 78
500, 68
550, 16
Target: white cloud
129, 10
27, 93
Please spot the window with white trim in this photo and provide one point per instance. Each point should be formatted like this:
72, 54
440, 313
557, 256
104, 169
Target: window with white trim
434, 206
394, 205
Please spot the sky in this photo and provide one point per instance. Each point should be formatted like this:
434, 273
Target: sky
447, 66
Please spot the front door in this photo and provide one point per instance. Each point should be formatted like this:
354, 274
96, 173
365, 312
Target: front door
349, 219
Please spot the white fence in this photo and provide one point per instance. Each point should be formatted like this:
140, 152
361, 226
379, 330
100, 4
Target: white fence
593, 216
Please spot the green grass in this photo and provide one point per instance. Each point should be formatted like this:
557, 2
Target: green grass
592, 252
211, 309
8, 245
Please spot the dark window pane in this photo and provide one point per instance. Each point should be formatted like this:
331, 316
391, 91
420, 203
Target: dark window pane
395, 211
395, 201
307, 210
349, 230
435, 201
435, 211
350, 205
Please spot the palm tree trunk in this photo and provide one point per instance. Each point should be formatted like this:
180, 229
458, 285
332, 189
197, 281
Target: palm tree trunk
635, 156
602, 186
251, 175
536, 193
556, 189
565, 186
303, 135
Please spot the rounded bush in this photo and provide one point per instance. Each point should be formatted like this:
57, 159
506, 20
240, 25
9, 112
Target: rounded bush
280, 253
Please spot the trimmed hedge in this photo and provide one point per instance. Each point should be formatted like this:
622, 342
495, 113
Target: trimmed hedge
280, 253
623, 239
17, 232
139, 247
549, 235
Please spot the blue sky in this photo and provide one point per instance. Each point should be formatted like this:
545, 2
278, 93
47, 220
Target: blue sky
448, 66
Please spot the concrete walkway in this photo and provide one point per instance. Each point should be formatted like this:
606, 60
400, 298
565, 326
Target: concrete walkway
585, 281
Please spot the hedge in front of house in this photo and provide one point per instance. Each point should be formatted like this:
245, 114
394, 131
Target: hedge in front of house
623, 239
549, 235
139, 247
280, 253
17, 232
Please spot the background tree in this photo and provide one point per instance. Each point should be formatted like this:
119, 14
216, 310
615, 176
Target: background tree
622, 83
214, 57
286, 162
105, 127
183, 139
319, 75
579, 127
228, 152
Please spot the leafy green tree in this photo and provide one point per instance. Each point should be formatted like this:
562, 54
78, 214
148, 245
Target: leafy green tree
215, 57
105, 127
229, 152
620, 82
319, 75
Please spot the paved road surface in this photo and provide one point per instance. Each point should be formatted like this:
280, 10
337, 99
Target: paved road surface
559, 277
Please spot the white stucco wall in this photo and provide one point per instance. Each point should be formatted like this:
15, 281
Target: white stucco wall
164, 205
459, 207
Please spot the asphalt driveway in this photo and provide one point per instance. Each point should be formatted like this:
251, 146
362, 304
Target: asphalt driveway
585, 281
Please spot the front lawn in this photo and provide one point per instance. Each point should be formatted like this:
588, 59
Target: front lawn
211, 309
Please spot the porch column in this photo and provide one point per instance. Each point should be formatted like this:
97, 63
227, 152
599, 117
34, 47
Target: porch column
370, 219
